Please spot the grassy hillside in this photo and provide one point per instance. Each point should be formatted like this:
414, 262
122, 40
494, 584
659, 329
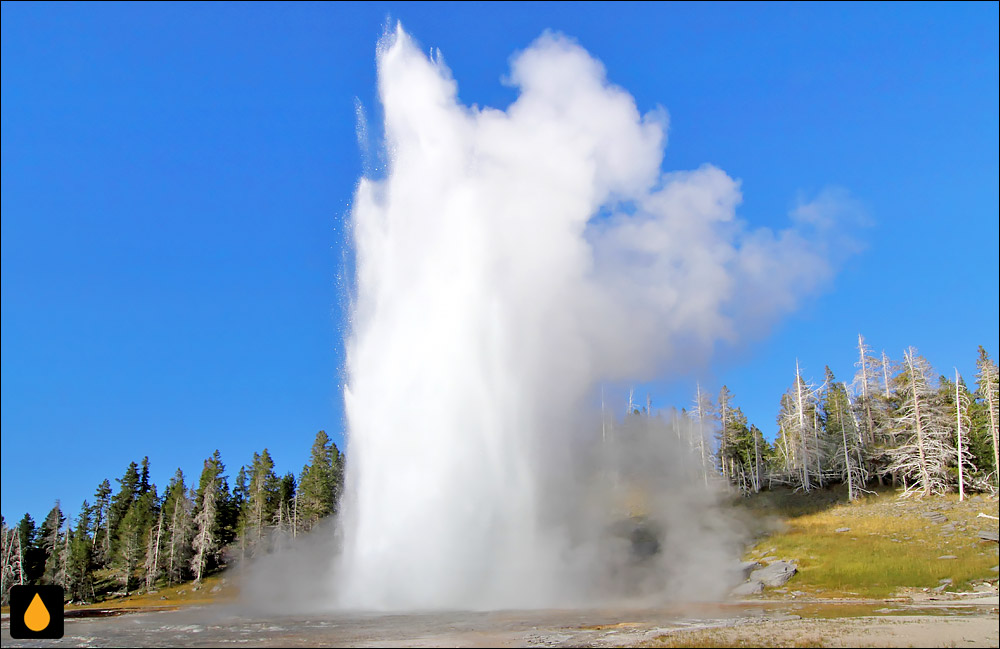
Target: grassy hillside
877, 547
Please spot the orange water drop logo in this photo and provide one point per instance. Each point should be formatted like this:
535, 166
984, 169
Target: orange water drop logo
37, 616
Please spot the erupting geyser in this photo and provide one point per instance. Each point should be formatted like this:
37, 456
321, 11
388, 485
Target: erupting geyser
508, 263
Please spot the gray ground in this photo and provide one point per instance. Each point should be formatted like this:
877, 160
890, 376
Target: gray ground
219, 626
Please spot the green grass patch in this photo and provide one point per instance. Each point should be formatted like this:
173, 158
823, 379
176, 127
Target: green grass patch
890, 545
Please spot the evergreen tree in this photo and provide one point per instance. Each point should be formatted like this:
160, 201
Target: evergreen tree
121, 502
131, 540
33, 557
262, 499
50, 543
177, 517
152, 565
286, 499
144, 485
211, 519
843, 431
79, 569
101, 513
317, 483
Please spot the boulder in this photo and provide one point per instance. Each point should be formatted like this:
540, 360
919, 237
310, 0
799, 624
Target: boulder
748, 588
747, 567
776, 574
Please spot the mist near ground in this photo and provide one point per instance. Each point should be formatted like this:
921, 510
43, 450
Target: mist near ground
508, 264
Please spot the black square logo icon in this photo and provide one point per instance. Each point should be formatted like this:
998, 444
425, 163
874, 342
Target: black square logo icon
36, 612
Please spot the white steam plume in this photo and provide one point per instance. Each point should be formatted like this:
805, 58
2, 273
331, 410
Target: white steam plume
508, 263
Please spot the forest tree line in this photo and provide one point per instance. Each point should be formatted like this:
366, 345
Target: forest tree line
135, 537
893, 422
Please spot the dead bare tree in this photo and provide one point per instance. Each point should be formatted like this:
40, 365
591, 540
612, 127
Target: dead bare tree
963, 457
798, 426
12, 567
923, 456
204, 541
988, 387
703, 417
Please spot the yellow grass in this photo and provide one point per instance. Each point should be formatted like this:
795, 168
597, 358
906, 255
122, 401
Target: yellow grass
890, 545
169, 597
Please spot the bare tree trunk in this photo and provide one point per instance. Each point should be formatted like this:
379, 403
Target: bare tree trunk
919, 427
988, 379
173, 539
885, 374
958, 428
802, 428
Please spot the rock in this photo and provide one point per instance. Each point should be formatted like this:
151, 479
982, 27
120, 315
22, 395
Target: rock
842, 529
748, 588
746, 567
947, 556
215, 589
768, 559
776, 574
946, 580
939, 589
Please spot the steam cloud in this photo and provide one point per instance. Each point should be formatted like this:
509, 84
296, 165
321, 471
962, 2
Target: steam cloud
509, 262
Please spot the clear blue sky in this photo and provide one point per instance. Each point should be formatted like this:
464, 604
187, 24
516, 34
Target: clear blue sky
175, 180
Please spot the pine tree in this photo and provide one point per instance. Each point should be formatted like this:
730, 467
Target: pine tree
33, 557
262, 498
131, 540
842, 430
128, 491
286, 498
760, 456
240, 490
101, 513
212, 509
152, 564
80, 566
177, 517
317, 483
50, 542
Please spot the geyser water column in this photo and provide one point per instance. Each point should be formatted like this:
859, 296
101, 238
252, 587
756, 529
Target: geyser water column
508, 262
